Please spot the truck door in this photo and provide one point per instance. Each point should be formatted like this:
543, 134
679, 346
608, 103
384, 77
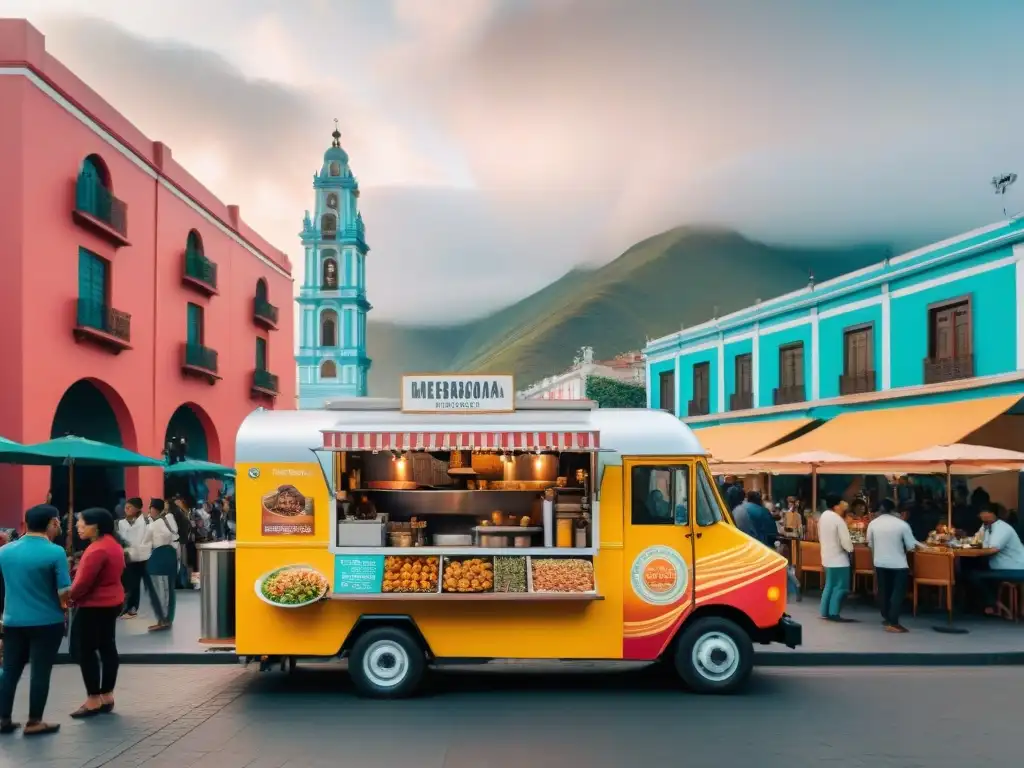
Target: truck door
658, 589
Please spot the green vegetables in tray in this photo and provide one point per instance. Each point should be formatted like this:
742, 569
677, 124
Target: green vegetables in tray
509, 574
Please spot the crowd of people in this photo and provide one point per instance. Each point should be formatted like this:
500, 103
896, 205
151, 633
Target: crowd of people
890, 534
49, 592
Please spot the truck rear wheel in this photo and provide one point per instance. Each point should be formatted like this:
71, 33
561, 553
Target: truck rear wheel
386, 663
714, 655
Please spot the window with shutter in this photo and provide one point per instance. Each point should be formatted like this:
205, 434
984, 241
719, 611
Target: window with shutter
667, 391
195, 325
92, 289
950, 342
261, 353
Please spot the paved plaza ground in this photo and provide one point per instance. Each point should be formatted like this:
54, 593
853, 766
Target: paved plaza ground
989, 640
227, 717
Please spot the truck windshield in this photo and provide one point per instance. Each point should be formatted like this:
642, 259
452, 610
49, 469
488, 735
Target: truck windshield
708, 511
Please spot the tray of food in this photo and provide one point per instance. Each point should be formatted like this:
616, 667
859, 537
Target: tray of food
410, 573
468, 574
510, 574
561, 574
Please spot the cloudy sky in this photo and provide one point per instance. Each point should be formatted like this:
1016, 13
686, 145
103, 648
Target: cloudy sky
501, 142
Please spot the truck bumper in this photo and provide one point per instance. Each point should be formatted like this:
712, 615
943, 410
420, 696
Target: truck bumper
788, 632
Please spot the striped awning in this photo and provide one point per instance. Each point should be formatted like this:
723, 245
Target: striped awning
460, 441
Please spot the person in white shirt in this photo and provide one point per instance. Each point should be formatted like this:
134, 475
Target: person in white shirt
890, 538
162, 535
1007, 564
836, 547
132, 530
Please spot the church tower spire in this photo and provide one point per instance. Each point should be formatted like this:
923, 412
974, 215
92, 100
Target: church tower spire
331, 357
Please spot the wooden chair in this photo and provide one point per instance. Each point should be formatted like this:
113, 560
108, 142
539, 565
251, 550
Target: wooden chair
864, 568
934, 569
810, 562
1008, 602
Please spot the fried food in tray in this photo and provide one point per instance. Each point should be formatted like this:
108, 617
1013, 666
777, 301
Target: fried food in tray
410, 573
468, 574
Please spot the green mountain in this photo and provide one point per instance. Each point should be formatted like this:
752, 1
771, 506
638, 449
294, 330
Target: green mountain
680, 277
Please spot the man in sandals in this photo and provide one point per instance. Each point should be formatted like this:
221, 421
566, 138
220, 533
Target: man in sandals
36, 583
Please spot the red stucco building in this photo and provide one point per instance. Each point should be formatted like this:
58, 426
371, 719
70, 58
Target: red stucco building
136, 307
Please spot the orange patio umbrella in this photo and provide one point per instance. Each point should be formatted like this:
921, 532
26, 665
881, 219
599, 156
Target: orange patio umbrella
959, 459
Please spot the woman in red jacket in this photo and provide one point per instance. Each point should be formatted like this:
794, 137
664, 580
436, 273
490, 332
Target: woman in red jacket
98, 597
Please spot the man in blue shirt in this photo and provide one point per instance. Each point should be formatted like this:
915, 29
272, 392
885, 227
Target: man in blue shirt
34, 572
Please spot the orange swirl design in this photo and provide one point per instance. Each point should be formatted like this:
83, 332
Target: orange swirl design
717, 575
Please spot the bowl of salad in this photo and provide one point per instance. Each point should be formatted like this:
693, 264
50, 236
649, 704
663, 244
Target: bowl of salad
293, 586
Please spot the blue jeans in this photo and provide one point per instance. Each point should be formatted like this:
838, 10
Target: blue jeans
34, 646
792, 583
837, 587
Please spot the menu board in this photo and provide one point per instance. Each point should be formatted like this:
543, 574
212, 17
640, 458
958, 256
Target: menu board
358, 574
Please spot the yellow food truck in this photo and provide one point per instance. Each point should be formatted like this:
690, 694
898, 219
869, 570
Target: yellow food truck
459, 523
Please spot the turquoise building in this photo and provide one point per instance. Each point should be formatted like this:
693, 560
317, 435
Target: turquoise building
331, 358
943, 324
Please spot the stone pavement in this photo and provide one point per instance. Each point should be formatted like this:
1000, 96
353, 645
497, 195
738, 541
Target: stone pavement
203, 717
990, 641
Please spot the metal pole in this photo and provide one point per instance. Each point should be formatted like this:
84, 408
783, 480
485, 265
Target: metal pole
71, 505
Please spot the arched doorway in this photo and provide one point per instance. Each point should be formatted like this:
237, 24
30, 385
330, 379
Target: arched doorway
190, 423
91, 409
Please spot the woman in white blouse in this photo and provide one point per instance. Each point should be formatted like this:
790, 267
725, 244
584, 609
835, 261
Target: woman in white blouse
162, 534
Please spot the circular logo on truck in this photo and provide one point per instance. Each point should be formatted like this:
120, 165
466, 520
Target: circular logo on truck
659, 576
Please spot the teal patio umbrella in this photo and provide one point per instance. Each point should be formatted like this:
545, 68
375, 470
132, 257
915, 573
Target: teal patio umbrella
71, 450
16, 453
199, 467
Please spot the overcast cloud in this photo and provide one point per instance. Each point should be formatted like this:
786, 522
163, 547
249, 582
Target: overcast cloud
501, 142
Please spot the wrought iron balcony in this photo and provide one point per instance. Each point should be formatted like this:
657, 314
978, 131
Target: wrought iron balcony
741, 401
103, 325
199, 272
201, 361
99, 211
264, 313
698, 407
857, 383
264, 383
937, 370
789, 395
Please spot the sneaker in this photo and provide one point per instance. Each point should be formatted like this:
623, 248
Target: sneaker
842, 620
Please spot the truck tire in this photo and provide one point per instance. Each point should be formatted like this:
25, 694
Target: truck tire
386, 663
714, 655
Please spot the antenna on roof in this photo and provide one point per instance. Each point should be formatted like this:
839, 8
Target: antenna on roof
1001, 183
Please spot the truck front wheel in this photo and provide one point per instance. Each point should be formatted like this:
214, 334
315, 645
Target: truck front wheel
386, 663
714, 655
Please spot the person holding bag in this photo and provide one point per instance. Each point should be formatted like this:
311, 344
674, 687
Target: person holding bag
162, 536
97, 594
